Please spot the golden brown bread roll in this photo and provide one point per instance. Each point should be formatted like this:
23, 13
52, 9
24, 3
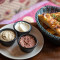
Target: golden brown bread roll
49, 21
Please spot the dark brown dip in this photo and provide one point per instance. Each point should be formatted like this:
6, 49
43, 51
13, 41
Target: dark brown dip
27, 41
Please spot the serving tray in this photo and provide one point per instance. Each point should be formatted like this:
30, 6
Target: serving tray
14, 51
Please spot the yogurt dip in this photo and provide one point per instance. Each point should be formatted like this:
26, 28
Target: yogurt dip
7, 35
22, 27
27, 41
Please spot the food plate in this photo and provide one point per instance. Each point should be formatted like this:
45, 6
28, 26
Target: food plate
14, 51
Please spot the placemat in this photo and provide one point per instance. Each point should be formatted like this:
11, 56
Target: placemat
9, 8
29, 14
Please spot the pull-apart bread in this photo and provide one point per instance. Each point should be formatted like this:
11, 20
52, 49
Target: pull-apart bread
52, 20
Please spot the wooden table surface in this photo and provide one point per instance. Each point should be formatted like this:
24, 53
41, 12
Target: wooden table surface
49, 51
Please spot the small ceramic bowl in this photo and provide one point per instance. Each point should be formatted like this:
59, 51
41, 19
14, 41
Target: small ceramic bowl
24, 49
48, 9
8, 43
18, 32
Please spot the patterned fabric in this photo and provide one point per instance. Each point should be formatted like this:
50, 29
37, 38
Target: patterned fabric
27, 15
9, 8
56, 1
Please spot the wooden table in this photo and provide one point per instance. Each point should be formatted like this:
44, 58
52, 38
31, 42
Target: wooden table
49, 51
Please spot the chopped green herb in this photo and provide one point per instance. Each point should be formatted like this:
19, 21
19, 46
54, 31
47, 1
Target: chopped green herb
54, 15
58, 19
59, 23
46, 19
56, 23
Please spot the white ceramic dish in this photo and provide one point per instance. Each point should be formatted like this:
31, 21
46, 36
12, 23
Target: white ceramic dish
14, 51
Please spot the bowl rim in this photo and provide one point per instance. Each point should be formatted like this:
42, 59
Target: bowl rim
40, 26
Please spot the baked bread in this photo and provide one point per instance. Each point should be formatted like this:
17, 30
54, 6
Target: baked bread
50, 21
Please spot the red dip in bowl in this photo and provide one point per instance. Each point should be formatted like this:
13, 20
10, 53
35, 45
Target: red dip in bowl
27, 41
